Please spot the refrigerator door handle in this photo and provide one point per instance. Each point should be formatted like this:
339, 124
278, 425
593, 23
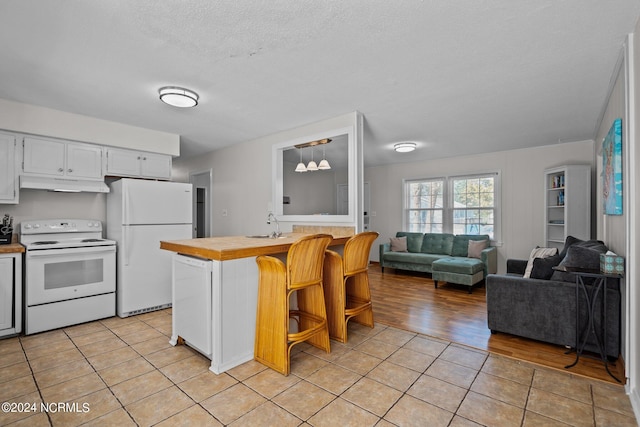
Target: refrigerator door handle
126, 208
125, 240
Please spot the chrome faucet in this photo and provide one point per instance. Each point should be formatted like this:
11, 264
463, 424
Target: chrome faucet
277, 233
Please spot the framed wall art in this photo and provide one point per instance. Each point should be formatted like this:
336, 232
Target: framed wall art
612, 169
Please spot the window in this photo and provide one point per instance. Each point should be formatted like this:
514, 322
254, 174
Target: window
458, 205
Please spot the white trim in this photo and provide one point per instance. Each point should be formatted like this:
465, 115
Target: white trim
630, 189
208, 206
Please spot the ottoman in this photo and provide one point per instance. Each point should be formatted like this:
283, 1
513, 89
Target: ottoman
460, 270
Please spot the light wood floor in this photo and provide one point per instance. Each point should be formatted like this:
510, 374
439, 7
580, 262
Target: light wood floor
409, 301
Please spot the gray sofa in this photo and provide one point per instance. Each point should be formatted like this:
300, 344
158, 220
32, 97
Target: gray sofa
544, 309
444, 255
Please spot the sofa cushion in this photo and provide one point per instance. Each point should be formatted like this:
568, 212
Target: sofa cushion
581, 257
411, 258
571, 241
543, 267
414, 240
461, 243
437, 243
398, 244
459, 265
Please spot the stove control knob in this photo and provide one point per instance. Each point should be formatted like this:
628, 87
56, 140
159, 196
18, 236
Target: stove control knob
36, 225
27, 226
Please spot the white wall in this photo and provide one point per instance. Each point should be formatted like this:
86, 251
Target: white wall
242, 173
310, 192
39, 204
522, 191
18, 117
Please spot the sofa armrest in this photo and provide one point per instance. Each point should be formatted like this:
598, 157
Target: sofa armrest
384, 247
516, 266
489, 257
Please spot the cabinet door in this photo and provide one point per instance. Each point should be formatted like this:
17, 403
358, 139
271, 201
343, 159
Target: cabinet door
84, 161
6, 293
8, 176
155, 166
44, 157
123, 162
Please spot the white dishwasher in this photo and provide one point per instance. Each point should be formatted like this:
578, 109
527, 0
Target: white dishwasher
192, 303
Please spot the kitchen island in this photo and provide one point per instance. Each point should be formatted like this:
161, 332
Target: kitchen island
215, 291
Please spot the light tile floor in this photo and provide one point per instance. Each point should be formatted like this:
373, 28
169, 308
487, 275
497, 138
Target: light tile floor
123, 372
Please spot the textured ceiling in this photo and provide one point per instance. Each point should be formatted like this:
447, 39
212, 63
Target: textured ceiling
459, 77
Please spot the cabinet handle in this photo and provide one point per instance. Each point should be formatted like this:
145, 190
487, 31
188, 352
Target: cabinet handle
138, 157
69, 170
60, 170
144, 158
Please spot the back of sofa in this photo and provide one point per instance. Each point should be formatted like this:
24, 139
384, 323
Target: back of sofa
440, 243
437, 243
414, 240
461, 243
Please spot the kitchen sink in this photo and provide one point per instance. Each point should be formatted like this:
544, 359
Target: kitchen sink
266, 236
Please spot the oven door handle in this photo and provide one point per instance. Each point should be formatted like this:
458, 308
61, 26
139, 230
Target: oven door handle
65, 251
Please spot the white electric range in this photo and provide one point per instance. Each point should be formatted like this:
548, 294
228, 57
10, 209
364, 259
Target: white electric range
70, 273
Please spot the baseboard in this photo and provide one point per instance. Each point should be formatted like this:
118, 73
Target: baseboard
634, 397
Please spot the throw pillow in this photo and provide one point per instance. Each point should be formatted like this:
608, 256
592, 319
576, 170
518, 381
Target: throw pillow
399, 244
476, 247
543, 267
593, 244
538, 253
578, 256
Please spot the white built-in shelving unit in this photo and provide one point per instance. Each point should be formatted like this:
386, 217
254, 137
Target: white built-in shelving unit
567, 210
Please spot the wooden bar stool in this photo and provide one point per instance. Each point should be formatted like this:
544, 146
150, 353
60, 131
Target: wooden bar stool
346, 285
301, 274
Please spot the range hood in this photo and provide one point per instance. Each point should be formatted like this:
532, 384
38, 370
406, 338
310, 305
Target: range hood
63, 185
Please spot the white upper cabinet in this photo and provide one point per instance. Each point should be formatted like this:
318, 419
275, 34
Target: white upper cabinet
47, 157
122, 162
84, 161
8, 169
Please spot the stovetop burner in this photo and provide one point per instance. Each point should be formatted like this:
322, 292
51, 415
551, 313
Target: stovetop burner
55, 234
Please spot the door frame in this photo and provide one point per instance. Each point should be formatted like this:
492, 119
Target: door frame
202, 179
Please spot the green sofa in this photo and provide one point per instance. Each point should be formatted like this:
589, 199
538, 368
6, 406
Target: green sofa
444, 255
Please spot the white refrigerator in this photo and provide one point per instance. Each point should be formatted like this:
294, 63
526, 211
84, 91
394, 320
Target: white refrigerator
140, 214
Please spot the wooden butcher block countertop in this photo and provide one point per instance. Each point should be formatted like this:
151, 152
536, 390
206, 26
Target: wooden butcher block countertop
235, 247
11, 248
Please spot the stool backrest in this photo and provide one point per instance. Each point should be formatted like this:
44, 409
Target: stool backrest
355, 258
305, 260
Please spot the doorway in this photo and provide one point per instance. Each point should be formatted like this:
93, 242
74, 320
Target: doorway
202, 183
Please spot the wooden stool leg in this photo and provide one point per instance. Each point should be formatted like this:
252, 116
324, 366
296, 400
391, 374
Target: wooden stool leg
311, 302
358, 291
334, 296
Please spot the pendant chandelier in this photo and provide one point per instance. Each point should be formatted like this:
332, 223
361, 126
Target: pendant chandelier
313, 166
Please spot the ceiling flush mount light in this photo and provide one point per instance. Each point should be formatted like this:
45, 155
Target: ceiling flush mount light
178, 96
404, 147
